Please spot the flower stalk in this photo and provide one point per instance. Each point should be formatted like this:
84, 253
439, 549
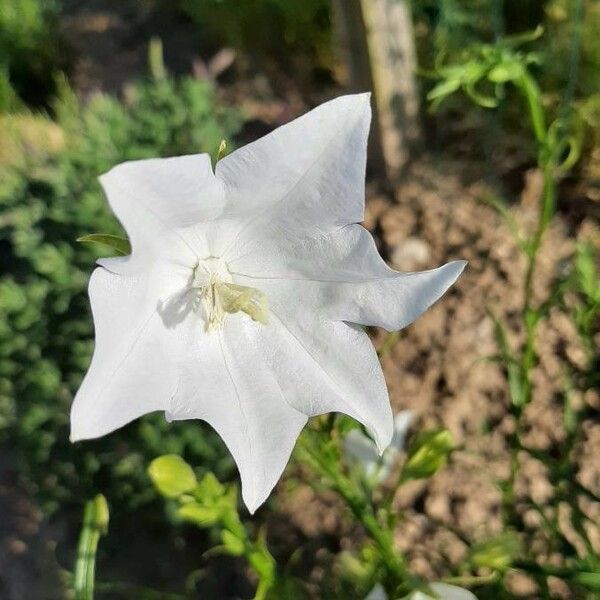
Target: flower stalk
95, 525
320, 452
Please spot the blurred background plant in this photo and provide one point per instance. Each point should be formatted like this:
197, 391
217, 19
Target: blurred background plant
30, 52
510, 93
559, 143
49, 196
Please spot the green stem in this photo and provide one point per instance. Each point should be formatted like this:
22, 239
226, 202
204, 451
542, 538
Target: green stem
564, 573
95, 523
529, 314
362, 509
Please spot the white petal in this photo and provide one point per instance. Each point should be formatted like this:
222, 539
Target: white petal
307, 175
377, 593
444, 591
362, 448
322, 365
452, 592
133, 370
402, 423
225, 381
342, 276
162, 203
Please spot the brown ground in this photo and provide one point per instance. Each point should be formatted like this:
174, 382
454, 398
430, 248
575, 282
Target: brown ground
435, 367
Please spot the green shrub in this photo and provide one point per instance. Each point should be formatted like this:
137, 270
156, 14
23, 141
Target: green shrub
49, 196
30, 48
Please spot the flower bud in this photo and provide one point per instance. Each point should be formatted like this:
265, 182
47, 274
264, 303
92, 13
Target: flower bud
171, 475
497, 554
427, 454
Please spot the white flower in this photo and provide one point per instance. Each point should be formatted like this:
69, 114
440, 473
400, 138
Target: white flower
443, 591
241, 300
363, 449
377, 593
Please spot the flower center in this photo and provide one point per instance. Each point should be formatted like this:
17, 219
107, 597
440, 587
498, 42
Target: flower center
218, 295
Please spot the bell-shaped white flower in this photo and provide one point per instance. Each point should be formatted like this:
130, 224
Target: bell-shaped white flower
242, 300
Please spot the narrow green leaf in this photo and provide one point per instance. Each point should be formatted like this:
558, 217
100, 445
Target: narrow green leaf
500, 206
119, 244
222, 149
512, 365
589, 580
443, 89
585, 264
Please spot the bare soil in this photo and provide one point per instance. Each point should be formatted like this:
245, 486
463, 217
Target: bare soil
438, 366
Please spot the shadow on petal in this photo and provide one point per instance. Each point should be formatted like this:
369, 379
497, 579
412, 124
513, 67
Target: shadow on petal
177, 307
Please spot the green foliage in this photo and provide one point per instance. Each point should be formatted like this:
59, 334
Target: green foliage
30, 49
558, 149
49, 197
276, 28
495, 65
586, 283
208, 503
427, 454
498, 553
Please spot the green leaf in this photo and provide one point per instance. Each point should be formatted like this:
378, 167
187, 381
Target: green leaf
505, 71
443, 89
585, 264
209, 489
513, 371
479, 98
500, 206
221, 151
119, 244
589, 580
202, 516
171, 475
233, 544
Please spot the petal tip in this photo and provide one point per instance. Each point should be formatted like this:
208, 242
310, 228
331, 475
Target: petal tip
459, 267
251, 501
76, 434
383, 435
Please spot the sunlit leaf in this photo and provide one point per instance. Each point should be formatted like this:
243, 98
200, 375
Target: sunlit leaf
172, 476
119, 244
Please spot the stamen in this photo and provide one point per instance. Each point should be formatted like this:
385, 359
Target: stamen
219, 297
